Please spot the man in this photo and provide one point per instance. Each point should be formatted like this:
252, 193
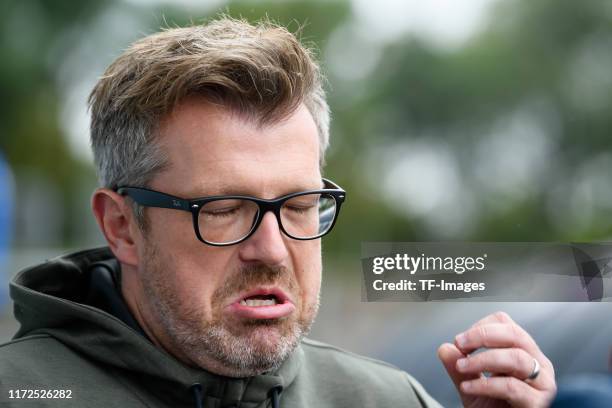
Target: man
209, 142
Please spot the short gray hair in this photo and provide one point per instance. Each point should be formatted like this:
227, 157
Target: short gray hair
262, 71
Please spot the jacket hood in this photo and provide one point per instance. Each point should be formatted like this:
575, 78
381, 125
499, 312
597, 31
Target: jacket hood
52, 298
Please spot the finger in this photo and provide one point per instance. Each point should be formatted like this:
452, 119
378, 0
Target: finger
449, 354
510, 389
496, 335
503, 317
497, 317
509, 361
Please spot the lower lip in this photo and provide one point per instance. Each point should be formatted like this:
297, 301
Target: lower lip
262, 312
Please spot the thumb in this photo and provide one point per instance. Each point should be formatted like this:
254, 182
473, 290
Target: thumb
449, 354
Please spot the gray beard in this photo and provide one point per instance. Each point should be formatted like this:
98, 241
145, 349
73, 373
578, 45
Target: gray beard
210, 344
240, 356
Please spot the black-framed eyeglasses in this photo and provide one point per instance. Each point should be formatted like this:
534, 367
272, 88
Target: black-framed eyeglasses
229, 220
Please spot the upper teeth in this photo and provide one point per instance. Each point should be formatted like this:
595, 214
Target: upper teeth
258, 302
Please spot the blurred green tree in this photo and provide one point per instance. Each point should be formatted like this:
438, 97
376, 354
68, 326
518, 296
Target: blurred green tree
521, 110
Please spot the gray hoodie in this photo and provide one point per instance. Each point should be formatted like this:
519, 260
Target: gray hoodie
77, 335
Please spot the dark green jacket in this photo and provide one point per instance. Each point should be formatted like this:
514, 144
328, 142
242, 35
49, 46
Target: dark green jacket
71, 339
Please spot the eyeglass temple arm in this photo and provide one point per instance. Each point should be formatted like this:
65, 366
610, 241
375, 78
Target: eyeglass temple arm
154, 198
330, 184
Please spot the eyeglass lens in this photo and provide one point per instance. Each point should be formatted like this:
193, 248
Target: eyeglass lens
228, 220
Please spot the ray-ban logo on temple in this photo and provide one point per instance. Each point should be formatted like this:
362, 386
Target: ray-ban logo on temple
228, 220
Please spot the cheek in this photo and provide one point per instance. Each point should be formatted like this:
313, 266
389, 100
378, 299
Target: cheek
308, 267
196, 269
171, 229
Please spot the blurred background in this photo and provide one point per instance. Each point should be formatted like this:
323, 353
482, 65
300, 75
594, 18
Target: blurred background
477, 120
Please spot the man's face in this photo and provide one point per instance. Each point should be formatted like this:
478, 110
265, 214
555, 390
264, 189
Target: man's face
198, 298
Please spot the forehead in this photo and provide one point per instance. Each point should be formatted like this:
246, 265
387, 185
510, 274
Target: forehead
212, 150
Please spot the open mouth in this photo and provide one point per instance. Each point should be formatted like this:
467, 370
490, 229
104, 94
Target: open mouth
260, 300
262, 303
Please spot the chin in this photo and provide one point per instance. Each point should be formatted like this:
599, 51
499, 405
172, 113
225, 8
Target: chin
269, 336
247, 349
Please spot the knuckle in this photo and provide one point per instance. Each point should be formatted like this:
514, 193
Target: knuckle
550, 365
553, 388
502, 316
485, 384
516, 334
516, 358
476, 361
546, 398
509, 385
483, 333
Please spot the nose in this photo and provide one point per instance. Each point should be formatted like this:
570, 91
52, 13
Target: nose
267, 245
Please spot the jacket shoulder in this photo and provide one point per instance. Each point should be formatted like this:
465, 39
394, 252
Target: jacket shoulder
16, 351
39, 359
42, 362
358, 377
344, 358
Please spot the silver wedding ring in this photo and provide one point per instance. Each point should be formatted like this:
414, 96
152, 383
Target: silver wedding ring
535, 372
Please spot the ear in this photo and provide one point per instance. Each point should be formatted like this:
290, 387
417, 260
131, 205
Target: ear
116, 220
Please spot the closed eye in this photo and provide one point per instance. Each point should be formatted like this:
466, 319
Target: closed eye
221, 212
300, 209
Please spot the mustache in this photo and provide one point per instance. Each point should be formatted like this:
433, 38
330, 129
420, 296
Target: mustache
259, 273
248, 276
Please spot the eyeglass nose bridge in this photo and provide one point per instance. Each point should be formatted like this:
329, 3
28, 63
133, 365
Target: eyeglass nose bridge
264, 207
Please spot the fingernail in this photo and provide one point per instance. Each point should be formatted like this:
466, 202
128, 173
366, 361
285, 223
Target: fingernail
461, 340
466, 385
462, 363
